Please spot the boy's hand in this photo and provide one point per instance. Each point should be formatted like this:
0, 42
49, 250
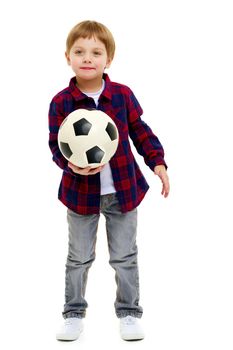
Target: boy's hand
160, 170
85, 171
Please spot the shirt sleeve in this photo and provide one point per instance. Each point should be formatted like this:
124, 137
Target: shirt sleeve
56, 116
144, 140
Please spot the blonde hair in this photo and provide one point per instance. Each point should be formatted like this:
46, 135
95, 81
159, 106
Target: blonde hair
89, 29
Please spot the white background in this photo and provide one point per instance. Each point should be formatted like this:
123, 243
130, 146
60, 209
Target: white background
177, 58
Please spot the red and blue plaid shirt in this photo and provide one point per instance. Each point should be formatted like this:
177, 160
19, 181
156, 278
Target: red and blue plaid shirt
81, 193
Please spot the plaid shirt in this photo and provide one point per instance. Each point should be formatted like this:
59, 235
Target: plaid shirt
81, 193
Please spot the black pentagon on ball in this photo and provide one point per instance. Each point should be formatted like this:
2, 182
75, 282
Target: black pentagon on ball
65, 148
111, 131
82, 127
94, 155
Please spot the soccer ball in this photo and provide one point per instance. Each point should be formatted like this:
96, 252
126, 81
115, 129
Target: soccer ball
88, 138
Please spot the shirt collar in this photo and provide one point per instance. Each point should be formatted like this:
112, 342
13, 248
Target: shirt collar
79, 95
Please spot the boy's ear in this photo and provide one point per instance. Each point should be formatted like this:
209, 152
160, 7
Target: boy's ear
108, 64
67, 58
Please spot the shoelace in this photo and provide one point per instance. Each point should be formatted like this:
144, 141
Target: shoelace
129, 320
68, 322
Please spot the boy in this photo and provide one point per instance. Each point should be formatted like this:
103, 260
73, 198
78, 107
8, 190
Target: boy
115, 190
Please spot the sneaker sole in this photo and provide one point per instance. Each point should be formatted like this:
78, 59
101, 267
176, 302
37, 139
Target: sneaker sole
132, 336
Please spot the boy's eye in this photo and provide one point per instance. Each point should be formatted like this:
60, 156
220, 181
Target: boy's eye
80, 52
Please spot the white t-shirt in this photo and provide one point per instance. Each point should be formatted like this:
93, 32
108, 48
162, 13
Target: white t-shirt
106, 179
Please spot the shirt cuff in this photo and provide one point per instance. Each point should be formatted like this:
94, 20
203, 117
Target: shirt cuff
158, 161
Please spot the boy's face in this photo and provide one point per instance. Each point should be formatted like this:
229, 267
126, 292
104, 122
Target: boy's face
88, 58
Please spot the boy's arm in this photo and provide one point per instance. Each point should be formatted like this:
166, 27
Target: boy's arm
55, 119
145, 141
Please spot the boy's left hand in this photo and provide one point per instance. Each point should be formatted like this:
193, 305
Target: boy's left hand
160, 170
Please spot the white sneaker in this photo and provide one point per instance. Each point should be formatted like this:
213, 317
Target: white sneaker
130, 328
71, 329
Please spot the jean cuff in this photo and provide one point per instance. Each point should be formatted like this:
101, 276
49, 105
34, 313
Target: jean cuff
73, 314
125, 313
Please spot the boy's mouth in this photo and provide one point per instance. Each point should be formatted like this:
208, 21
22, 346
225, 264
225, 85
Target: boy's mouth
87, 68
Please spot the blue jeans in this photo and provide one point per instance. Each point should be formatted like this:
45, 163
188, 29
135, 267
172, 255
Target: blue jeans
121, 236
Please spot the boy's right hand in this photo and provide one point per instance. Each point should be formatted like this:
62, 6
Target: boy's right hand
85, 171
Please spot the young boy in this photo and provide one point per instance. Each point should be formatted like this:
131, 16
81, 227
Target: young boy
115, 190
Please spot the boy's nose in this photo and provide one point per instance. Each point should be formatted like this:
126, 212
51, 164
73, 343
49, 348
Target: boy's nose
86, 58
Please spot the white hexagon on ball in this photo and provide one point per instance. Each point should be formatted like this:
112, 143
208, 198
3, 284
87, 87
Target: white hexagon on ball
88, 138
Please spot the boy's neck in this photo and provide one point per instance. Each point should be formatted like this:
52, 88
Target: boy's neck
89, 85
